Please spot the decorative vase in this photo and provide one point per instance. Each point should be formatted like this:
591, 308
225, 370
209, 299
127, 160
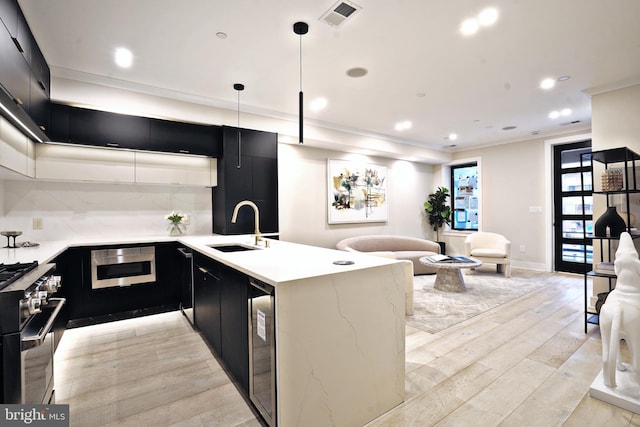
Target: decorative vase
176, 229
611, 220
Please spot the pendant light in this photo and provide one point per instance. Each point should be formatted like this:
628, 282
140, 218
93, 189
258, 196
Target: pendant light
239, 87
300, 28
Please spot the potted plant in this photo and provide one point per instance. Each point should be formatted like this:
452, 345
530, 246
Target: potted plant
438, 211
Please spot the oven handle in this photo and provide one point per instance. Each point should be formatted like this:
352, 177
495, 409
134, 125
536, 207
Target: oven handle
36, 340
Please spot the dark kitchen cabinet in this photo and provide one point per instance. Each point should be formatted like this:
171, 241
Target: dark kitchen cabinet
186, 138
9, 15
221, 314
106, 129
234, 324
16, 26
206, 296
70, 268
101, 128
247, 170
40, 84
59, 129
24, 73
24, 40
15, 72
118, 302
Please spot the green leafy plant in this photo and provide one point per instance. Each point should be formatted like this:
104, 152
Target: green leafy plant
175, 217
438, 211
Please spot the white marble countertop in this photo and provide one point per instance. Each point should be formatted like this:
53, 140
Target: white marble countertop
279, 263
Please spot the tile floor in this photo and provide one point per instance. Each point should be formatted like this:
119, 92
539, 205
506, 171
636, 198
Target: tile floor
527, 362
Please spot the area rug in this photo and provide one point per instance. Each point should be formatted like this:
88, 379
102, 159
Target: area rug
436, 310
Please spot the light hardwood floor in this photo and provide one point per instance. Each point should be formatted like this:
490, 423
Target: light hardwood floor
527, 362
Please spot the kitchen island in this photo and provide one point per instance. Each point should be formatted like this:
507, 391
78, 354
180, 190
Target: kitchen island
339, 333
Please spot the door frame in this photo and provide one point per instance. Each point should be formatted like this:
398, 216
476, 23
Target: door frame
548, 186
559, 263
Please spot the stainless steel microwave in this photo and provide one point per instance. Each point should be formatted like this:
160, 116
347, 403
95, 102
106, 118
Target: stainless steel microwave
123, 266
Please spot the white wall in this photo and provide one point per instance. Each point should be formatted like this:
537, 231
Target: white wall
615, 120
302, 175
512, 180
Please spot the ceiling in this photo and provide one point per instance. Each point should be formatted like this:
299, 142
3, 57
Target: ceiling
420, 68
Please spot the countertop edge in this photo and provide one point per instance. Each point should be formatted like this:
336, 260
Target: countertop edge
280, 263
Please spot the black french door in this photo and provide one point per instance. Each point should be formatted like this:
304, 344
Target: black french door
573, 208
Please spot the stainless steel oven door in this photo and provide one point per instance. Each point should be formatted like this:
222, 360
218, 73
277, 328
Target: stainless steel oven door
123, 266
37, 348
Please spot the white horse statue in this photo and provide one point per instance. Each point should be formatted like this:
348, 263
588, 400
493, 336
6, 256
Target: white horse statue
620, 314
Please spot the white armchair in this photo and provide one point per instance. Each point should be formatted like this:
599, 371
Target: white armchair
491, 248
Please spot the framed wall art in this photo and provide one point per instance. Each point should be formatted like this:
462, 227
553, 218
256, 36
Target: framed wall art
357, 192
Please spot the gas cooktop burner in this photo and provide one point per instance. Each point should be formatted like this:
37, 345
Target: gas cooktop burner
9, 273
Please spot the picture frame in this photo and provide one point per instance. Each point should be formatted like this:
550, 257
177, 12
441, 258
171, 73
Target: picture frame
357, 192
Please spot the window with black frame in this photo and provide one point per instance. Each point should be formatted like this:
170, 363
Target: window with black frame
464, 196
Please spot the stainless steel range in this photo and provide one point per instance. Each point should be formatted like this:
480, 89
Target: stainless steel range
29, 315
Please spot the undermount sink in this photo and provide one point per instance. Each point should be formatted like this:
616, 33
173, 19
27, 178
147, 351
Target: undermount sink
232, 247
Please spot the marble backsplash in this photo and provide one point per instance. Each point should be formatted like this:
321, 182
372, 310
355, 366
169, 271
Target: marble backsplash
69, 210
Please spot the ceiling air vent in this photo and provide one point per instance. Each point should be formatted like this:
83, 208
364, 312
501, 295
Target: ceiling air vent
339, 12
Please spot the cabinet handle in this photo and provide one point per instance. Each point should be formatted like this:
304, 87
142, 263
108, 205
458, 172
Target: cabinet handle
18, 101
184, 151
18, 45
112, 144
208, 273
42, 86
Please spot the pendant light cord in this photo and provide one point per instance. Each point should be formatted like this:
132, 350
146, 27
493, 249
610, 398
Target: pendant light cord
300, 62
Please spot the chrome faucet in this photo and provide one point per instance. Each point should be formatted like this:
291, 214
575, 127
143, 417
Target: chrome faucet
256, 215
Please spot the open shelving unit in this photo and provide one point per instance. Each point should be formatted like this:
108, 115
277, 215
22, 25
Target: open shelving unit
601, 162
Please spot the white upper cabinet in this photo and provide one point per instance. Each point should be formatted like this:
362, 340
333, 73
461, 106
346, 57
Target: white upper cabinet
74, 163
165, 168
16, 150
94, 164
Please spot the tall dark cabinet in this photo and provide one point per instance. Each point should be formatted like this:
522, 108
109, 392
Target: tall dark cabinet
24, 74
247, 170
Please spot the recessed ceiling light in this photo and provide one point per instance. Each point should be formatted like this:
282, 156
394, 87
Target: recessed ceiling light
469, 27
318, 104
563, 78
564, 112
221, 35
421, 94
453, 136
357, 72
123, 57
400, 126
488, 16
547, 83
535, 132
509, 127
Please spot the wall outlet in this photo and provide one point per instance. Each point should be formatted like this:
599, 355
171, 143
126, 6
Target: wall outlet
522, 248
37, 223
